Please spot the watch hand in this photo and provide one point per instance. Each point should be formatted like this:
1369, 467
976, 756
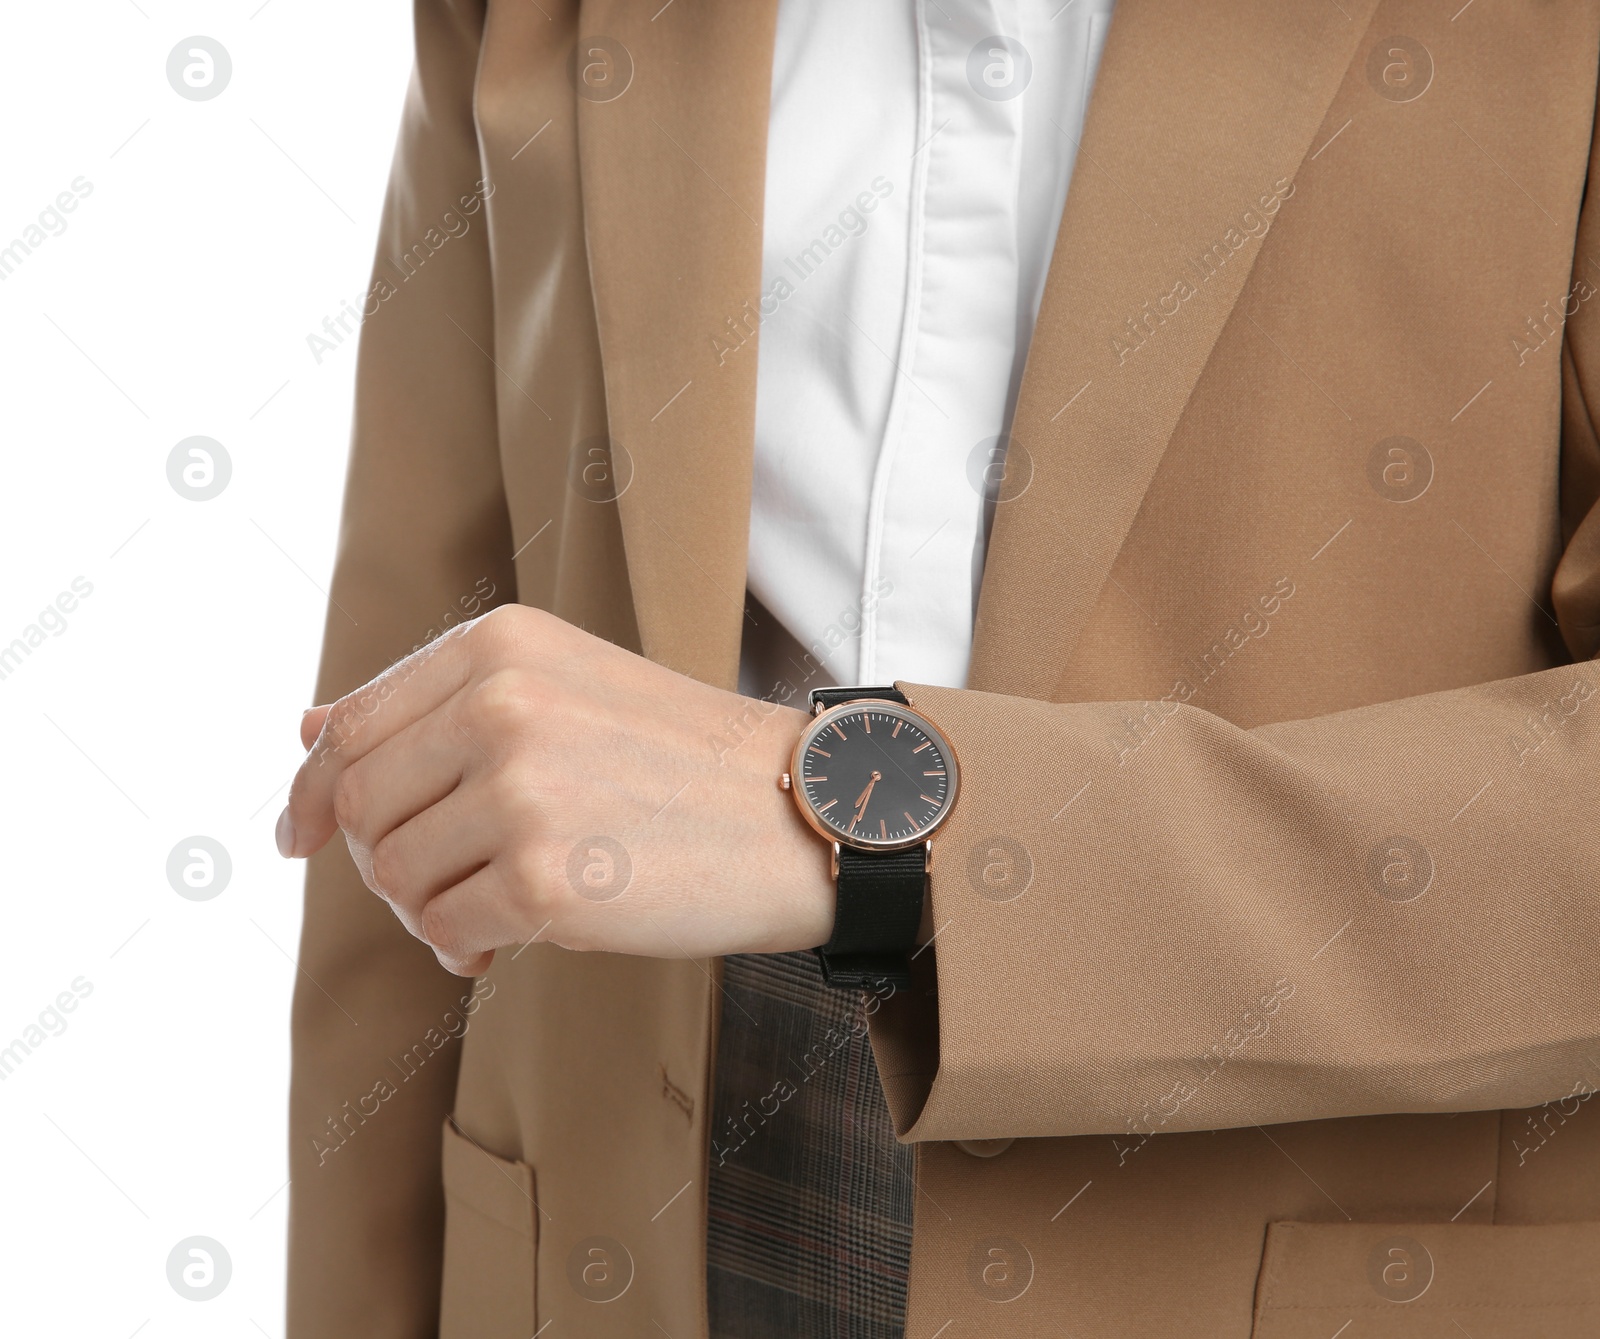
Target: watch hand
861, 799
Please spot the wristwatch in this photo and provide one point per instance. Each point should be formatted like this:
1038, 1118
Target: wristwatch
874, 778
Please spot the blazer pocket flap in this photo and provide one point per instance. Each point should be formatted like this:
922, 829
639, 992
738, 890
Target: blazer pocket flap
498, 1188
1412, 1280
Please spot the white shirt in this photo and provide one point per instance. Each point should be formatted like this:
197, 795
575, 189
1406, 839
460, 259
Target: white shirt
917, 163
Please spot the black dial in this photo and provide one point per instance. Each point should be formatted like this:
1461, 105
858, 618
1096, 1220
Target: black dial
874, 774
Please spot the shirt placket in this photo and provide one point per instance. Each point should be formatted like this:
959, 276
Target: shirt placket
924, 537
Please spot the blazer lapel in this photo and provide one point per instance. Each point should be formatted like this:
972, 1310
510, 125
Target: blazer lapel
1198, 112
672, 128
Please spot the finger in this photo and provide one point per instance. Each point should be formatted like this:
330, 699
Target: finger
465, 924
438, 849
402, 777
473, 966
311, 725
361, 721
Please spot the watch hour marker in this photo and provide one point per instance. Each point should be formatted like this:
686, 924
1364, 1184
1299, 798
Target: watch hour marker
883, 829
940, 772
909, 819
816, 778
818, 749
866, 721
925, 743
896, 731
837, 730
829, 805
928, 798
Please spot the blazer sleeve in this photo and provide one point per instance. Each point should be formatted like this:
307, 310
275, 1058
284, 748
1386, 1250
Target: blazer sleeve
1310, 919
424, 542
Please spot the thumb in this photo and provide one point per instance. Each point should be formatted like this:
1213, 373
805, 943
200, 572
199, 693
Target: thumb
311, 725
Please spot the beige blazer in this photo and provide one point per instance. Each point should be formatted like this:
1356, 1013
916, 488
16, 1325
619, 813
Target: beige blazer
1270, 908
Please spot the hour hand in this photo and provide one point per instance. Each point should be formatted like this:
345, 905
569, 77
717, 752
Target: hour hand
861, 799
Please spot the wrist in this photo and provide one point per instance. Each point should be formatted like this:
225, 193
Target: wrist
802, 864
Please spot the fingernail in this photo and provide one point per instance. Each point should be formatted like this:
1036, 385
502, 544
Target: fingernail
285, 835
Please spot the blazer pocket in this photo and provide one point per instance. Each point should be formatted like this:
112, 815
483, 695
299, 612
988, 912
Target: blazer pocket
491, 1236
1420, 1280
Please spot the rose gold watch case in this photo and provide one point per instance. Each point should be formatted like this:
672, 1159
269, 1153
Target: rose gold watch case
820, 722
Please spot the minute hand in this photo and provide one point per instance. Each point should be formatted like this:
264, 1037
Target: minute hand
861, 799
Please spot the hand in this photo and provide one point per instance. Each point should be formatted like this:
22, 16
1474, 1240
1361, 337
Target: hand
861, 799
520, 779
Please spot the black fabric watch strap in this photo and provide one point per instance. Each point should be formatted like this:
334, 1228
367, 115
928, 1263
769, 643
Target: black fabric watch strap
823, 698
879, 911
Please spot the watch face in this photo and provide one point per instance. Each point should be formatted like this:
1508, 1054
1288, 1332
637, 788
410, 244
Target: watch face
874, 774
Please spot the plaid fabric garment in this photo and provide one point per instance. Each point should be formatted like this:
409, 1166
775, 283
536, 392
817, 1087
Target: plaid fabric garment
810, 1193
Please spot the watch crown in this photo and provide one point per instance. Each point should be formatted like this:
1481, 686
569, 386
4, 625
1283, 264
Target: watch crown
784, 783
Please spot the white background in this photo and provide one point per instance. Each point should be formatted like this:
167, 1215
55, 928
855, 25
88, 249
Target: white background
177, 302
